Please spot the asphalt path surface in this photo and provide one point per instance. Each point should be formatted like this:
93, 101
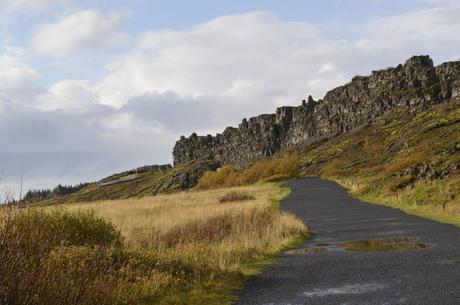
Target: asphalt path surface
428, 276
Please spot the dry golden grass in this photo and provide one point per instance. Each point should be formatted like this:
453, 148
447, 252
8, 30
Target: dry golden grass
185, 248
197, 224
167, 210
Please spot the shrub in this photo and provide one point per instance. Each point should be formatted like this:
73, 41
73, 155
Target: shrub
286, 164
64, 228
236, 196
281, 166
53, 259
224, 176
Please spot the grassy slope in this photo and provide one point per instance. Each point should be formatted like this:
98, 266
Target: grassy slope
144, 184
385, 163
233, 240
381, 163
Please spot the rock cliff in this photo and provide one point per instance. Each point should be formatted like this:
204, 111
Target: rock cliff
416, 85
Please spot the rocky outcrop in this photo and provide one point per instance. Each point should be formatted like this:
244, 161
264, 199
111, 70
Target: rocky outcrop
416, 85
426, 171
183, 177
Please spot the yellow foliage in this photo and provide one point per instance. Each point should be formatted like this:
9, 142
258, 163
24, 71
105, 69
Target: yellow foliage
278, 167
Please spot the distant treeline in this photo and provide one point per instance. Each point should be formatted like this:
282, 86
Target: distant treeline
60, 190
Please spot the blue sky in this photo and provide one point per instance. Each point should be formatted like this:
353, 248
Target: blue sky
88, 88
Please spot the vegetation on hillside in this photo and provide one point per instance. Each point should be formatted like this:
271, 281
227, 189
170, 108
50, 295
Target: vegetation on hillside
185, 248
281, 167
407, 161
60, 190
135, 184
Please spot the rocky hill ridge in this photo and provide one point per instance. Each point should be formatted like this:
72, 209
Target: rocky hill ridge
417, 85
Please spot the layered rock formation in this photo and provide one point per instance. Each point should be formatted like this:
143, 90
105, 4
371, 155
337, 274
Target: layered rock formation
416, 85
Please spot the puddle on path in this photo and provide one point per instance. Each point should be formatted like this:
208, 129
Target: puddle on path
348, 289
386, 244
368, 245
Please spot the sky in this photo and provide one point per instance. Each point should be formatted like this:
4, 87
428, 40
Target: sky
89, 88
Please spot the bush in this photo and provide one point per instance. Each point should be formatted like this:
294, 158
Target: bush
64, 228
55, 258
281, 166
235, 196
224, 176
70, 258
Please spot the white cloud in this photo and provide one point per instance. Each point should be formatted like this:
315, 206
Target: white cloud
15, 51
260, 61
216, 58
428, 30
18, 81
69, 95
80, 30
128, 124
9, 9
326, 68
14, 74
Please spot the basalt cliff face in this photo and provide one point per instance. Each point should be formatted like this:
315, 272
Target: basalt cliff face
416, 85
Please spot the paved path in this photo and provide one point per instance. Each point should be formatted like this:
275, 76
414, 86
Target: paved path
428, 276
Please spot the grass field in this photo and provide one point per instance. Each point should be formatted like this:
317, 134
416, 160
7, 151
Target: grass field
190, 220
185, 248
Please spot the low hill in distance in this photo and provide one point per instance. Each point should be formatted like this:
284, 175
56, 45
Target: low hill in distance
143, 181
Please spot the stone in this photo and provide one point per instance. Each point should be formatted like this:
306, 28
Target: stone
416, 85
184, 177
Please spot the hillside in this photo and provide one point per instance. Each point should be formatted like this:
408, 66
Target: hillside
144, 181
409, 161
